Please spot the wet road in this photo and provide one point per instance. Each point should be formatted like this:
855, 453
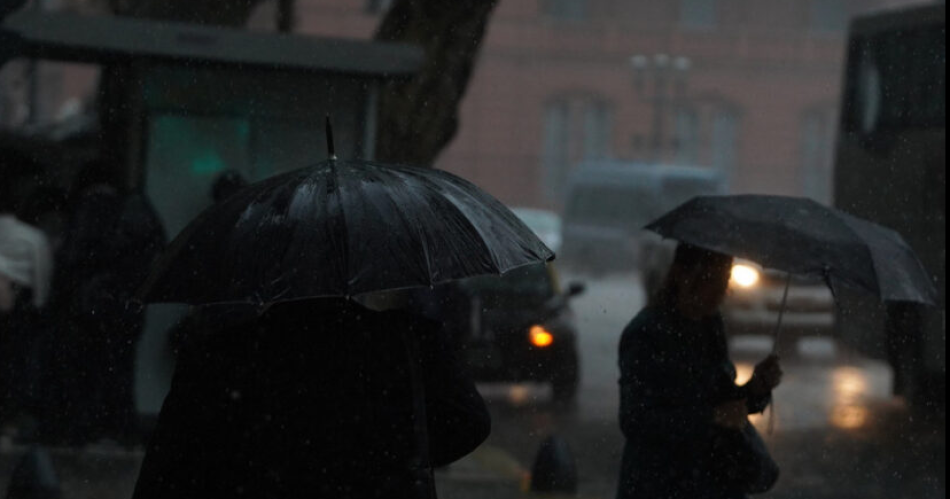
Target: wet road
836, 432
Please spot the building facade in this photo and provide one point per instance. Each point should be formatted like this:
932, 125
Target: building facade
747, 87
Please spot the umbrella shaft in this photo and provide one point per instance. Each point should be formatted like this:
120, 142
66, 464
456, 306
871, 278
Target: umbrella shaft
781, 314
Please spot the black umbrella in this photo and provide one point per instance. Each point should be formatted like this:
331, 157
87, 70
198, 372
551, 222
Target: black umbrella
341, 228
804, 237
801, 236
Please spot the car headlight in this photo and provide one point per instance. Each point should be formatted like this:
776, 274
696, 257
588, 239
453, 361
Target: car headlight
745, 276
540, 337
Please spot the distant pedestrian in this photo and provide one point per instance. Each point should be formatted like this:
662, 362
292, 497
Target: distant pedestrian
684, 417
110, 242
314, 399
25, 270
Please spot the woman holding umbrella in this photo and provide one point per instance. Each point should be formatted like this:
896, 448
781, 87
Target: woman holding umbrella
681, 410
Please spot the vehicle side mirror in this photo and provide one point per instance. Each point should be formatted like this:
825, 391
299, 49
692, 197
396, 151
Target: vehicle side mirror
576, 289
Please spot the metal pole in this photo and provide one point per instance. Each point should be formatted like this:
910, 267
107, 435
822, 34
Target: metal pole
286, 16
778, 337
781, 315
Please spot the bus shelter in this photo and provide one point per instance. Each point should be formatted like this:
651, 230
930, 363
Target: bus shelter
199, 101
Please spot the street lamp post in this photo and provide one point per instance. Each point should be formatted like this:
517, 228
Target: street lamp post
661, 81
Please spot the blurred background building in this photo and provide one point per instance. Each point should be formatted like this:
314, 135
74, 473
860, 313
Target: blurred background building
748, 88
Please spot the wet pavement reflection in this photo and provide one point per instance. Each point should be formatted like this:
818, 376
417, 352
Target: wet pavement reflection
834, 428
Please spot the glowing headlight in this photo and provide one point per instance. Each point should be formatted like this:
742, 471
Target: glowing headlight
540, 337
745, 276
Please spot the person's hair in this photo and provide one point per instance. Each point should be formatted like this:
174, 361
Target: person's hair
42, 201
93, 173
227, 184
688, 260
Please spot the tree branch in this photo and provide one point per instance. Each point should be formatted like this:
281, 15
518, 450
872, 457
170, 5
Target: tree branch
419, 118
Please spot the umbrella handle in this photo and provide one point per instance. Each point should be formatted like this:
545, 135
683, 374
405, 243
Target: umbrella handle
778, 337
781, 314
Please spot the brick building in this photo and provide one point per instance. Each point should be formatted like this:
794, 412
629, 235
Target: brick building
749, 87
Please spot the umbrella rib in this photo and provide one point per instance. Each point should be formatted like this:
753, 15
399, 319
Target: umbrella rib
473, 226
870, 254
345, 231
423, 240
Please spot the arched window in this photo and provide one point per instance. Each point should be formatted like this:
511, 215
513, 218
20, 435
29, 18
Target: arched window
817, 153
575, 129
688, 133
707, 133
724, 141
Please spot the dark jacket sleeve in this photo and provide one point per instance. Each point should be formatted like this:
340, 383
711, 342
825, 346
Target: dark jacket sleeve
758, 404
172, 464
458, 419
657, 405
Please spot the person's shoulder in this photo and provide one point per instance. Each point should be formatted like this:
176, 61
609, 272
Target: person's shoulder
409, 320
644, 322
649, 329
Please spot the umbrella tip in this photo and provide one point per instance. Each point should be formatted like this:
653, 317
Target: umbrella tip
331, 147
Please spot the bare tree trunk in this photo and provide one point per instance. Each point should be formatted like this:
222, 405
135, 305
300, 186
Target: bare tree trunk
286, 16
419, 118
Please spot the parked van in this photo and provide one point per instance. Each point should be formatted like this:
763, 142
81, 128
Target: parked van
609, 203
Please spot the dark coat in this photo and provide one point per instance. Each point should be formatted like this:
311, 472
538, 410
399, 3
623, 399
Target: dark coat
674, 372
312, 400
108, 248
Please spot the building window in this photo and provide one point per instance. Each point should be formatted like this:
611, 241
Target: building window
687, 137
699, 14
817, 154
830, 16
575, 129
378, 6
724, 144
565, 9
598, 130
556, 155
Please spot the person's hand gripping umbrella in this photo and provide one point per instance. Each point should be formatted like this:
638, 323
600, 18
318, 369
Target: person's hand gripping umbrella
802, 237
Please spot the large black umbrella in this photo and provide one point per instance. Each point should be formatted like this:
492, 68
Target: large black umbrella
804, 237
341, 228
801, 236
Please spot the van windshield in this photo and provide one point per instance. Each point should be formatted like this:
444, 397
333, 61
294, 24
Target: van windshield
612, 206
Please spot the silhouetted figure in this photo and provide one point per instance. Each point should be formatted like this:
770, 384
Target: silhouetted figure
110, 242
25, 269
200, 321
681, 411
226, 184
313, 399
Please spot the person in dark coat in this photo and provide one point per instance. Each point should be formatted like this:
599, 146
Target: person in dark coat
110, 243
314, 399
679, 398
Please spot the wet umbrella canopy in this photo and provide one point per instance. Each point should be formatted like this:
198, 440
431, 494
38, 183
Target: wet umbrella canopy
341, 228
801, 236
